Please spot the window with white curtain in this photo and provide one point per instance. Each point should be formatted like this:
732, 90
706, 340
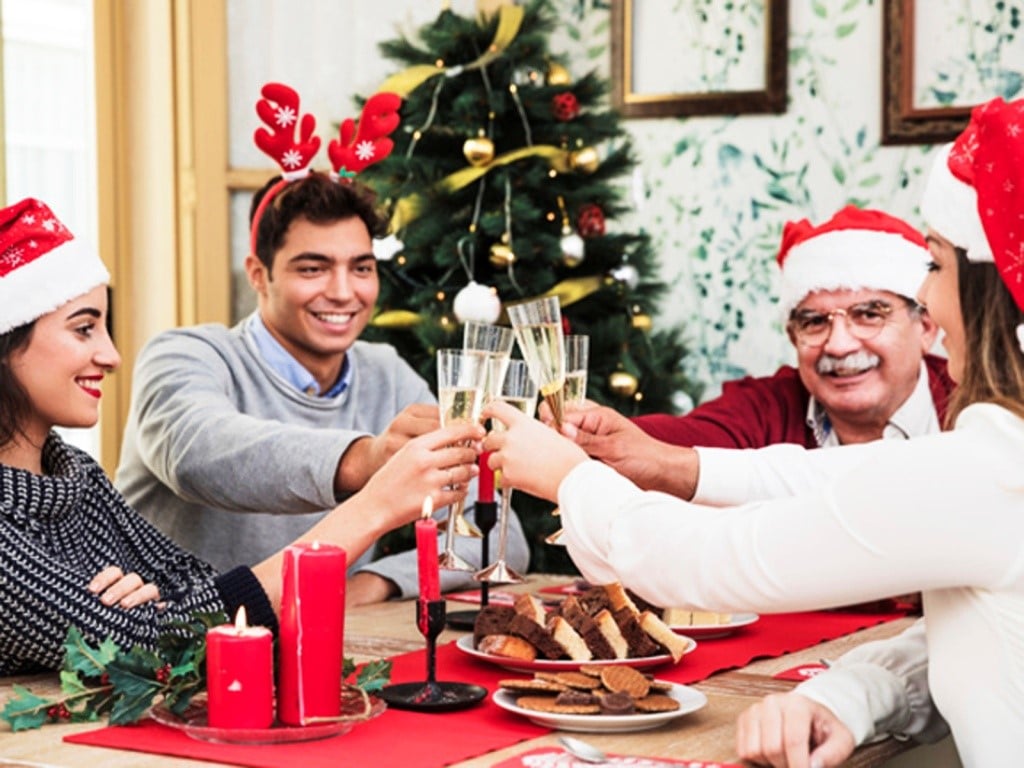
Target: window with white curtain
49, 130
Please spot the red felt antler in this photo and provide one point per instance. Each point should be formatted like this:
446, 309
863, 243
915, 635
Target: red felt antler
279, 109
370, 143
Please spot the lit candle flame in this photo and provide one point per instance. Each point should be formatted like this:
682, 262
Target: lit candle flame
428, 507
241, 622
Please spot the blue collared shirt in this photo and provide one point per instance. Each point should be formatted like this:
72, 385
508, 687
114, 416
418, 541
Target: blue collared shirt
290, 369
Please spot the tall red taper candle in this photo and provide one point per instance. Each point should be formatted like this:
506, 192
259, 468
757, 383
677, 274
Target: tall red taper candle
239, 675
485, 488
312, 632
426, 553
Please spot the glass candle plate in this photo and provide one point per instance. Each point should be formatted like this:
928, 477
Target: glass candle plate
193, 723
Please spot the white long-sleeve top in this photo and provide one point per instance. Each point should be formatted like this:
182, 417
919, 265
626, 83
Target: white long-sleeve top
943, 514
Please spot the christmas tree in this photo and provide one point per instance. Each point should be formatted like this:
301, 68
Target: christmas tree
501, 190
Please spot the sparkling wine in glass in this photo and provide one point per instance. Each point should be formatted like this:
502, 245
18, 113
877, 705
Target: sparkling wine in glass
577, 355
460, 381
495, 342
538, 327
518, 390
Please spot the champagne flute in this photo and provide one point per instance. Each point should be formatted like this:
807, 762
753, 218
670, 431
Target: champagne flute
577, 353
495, 342
518, 390
460, 380
538, 327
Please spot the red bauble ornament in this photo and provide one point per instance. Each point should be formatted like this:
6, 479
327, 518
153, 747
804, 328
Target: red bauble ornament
566, 328
590, 221
565, 106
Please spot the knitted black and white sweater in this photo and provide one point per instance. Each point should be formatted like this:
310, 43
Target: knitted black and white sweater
58, 530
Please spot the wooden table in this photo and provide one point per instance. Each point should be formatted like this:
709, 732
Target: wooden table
388, 629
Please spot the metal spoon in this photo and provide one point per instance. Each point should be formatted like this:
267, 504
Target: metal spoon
581, 750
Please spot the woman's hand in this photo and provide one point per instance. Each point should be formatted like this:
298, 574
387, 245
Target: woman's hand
532, 457
439, 464
114, 587
792, 731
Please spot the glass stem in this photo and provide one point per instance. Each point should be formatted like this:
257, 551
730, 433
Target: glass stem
449, 535
506, 507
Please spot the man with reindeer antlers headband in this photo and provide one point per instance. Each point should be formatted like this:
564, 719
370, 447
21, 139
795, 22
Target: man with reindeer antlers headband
239, 438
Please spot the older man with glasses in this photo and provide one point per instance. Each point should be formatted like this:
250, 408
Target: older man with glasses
863, 370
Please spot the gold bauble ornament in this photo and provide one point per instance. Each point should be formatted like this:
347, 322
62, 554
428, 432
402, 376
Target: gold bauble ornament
501, 255
479, 150
585, 160
622, 383
642, 322
558, 75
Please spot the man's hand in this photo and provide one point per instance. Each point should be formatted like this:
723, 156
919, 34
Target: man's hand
791, 731
366, 455
608, 436
114, 587
364, 588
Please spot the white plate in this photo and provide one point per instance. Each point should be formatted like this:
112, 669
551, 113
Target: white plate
465, 644
708, 631
690, 700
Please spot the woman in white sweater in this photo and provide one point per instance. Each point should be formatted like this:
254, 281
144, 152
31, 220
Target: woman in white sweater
942, 514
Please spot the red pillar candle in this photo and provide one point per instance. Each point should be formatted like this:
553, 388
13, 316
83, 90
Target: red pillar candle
239, 675
312, 632
485, 489
426, 553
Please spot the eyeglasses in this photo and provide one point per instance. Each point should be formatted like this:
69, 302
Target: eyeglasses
864, 321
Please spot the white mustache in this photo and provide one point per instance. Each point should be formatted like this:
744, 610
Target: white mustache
861, 360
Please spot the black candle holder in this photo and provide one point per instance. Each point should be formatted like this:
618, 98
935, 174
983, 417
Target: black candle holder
485, 515
430, 695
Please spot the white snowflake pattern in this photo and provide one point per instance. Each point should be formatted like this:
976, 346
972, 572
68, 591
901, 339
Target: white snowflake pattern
29, 218
1013, 130
291, 159
285, 116
50, 225
12, 257
365, 150
32, 244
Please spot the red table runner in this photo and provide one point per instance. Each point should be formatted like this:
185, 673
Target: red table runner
430, 740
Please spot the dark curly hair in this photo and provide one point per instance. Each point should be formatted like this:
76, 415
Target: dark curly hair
318, 198
14, 402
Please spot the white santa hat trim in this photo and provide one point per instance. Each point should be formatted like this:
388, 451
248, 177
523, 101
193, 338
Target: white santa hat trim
852, 259
950, 207
48, 282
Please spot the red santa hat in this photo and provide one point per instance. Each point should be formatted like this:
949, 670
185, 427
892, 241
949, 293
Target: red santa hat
975, 194
857, 248
41, 266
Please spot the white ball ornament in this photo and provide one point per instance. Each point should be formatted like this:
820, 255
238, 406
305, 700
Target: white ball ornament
478, 303
626, 273
572, 249
385, 248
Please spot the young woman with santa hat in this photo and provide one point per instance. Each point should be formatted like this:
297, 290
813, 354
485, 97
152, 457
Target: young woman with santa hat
943, 514
72, 552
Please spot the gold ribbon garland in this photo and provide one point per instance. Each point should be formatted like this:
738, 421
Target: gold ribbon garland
510, 17
409, 208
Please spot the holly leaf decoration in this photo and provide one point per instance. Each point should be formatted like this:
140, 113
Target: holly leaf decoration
135, 684
25, 710
374, 675
83, 658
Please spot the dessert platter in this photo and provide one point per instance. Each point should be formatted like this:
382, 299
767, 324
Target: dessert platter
705, 624
355, 708
602, 626
600, 699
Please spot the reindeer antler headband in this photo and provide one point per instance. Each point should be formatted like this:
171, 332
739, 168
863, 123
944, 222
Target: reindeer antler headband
354, 149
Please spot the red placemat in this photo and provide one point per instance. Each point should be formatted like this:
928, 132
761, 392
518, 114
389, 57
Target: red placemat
430, 740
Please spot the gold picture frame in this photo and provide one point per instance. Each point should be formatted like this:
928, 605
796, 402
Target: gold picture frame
902, 121
633, 99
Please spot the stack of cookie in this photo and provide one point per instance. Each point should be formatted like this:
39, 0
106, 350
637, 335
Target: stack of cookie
594, 690
603, 624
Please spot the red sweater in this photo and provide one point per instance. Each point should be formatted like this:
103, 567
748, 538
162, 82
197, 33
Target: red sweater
757, 412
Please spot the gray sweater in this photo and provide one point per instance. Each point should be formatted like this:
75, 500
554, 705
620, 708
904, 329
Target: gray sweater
234, 463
